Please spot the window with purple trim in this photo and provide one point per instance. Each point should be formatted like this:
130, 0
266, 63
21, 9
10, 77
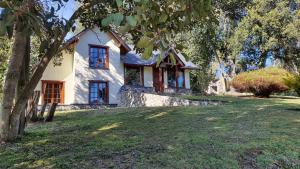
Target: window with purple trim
98, 57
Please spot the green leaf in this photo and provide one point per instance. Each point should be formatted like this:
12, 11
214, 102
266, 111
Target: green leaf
172, 57
124, 29
148, 52
164, 43
163, 18
106, 21
119, 3
131, 21
3, 30
117, 18
144, 42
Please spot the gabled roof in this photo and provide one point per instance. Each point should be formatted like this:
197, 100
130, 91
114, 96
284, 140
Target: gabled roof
121, 43
133, 58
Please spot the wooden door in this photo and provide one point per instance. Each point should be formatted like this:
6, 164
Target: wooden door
158, 79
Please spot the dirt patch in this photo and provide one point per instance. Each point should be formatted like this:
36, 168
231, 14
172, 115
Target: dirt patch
248, 159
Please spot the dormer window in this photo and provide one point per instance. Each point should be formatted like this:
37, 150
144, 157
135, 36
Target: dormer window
99, 56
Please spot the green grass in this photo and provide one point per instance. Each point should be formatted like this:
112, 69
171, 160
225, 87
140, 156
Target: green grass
242, 133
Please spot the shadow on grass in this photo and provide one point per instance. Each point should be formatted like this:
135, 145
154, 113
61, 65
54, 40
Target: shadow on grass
179, 137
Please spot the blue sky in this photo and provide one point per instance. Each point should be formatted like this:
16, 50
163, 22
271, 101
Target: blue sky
67, 10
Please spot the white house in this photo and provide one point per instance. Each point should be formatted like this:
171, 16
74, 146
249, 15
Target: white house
100, 64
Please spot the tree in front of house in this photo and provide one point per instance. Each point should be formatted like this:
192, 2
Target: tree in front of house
4, 54
150, 23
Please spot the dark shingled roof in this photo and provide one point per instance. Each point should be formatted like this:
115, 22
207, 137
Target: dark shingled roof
133, 58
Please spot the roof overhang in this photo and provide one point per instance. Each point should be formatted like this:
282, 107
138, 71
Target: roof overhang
124, 48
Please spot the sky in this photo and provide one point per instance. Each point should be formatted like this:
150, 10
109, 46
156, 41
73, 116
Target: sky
69, 8
66, 12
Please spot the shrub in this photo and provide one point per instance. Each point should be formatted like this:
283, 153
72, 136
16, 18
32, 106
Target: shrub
200, 81
262, 82
293, 82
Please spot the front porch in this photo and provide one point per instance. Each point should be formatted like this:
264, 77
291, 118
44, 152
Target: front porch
170, 76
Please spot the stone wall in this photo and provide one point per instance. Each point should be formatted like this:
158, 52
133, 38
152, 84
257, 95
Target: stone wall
131, 97
79, 107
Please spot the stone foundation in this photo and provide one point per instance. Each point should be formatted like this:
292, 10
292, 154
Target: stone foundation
137, 98
78, 107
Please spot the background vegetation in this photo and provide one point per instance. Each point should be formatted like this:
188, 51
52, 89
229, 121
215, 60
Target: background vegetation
262, 82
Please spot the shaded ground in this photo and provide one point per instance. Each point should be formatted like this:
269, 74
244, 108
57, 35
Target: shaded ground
243, 133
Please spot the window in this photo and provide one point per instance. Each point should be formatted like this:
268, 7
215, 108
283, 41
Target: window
98, 93
99, 57
175, 78
53, 92
171, 78
134, 76
180, 79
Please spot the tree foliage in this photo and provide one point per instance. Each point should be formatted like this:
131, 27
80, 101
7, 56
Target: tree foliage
207, 42
151, 24
270, 29
262, 82
200, 50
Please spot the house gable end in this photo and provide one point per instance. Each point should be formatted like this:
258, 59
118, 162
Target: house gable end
118, 41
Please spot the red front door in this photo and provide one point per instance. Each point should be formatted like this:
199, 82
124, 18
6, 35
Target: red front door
158, 79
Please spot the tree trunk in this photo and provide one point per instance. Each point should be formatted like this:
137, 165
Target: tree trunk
23, 80
223, 78
43, 109
32, 111
10, 113
10, 84
29, 88
51, 112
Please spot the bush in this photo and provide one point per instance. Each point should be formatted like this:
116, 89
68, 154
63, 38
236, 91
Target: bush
262, 82
200, 81
293, 82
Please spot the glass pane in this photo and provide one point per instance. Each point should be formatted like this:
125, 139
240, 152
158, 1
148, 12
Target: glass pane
102, 92
181, 79
53, 93
97, 57
133, 76
97, 92
171, 78
48, 93
56, 95
93, 57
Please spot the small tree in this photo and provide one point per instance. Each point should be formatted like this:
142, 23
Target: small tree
293, 82
262, 82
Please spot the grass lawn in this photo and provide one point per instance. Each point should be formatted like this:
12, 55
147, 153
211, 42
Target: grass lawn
243, 133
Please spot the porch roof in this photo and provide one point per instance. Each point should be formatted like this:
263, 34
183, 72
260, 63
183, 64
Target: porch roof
133, 58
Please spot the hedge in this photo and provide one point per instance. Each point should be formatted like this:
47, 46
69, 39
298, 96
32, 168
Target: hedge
262, 82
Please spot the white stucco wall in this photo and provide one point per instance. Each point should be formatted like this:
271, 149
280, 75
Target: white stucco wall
165, 79
148, 77
115, 74
64, 72
187, 79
